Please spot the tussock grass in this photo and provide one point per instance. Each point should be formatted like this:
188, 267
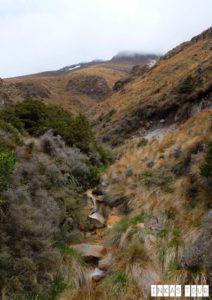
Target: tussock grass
148, 255
76, 272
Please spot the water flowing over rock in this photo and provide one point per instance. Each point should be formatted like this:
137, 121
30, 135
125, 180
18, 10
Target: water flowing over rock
97, 216
98, 274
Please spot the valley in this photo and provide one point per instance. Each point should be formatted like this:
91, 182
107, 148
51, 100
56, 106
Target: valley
105, 177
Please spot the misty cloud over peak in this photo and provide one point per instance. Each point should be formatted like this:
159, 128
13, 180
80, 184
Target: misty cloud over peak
39, 35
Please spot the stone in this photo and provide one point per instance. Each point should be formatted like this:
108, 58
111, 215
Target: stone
117, 178
199, 254
90, 250
153, 224
97, 274
140, 225
119, 85
97, 216
129, 172
91, 85
150, 163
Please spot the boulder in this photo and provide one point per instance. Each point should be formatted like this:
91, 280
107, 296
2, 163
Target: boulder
28, 90
129, 172
199, 254
91, 85
140, 225
97, 216
139, 70
119, 85
153, 224
90, 250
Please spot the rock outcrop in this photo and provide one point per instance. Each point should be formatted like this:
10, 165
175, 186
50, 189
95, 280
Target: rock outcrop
28, 90
93, 86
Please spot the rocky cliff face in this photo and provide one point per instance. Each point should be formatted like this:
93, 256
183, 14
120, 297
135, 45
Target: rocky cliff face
93, 86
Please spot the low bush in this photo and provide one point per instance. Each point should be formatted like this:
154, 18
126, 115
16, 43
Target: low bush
192, 197
9, 136
116, 284
181, 167
42, 206
125, 223
36, 118
187, 85
136, 251
206, 168
158, 177
67, 250
7, 163
142, 143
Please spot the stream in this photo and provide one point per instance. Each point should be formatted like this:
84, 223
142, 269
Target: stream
93, 250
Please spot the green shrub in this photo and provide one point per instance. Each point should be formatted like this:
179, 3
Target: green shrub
9, 116
137, 251
106, 154
181, 167
57, 288
164, 232
187, 85
7, 163
142, 143
125, 223
9, 138
116, 284
80, 134
119, 278
35, 117
206, 168
158, 177
176, 238
192, 197
67, 250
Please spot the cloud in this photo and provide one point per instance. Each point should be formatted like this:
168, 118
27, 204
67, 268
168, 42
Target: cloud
39, 35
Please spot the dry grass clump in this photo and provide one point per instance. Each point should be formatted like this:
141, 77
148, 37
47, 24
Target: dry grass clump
166, 180
177, 167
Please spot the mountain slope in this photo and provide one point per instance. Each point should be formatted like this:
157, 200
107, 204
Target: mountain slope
78, 87
145, 219
159, 188
171, 90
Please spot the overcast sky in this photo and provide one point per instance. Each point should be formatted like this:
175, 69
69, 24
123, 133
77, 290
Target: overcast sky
40, 35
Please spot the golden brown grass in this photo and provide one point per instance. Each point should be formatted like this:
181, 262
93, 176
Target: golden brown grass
152, 88
72, 101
